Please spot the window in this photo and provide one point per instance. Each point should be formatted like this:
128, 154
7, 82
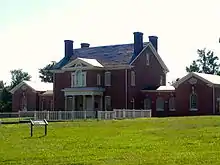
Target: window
107, 78
161, 80
193, 102
147, 103
132, 78
98, 79
107, 103
160, 104
78, 79
147, 59
172, 104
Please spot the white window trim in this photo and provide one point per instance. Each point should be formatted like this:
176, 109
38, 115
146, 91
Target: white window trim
171, 109
73, 82
160, 109
133, 78
193, 109
107, 83
98, 79
161, 80
107, 97
147, 59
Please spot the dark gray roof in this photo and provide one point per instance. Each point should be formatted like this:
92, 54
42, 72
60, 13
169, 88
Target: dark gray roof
106, 55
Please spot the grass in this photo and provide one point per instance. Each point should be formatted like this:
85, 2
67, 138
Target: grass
156, 141
15, 119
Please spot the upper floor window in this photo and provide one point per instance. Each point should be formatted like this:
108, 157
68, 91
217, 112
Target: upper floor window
98, 79
161, 80
132, 78
78, 79
107, 78
193, 102
147, 59
172, 103
160, 104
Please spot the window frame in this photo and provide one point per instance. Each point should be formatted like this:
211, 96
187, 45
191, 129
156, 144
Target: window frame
98, 79
173, 108
107, 73
147, 59
110, 102
133, 78
191, 108
160, 109
74, 79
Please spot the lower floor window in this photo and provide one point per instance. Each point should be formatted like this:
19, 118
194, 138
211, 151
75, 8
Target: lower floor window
172, 104
147, 103
193, 102
160, 104
107, 103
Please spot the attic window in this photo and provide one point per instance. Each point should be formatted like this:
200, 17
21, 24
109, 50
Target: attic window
147, 59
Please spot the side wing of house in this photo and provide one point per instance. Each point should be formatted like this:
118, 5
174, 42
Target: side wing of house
149, 71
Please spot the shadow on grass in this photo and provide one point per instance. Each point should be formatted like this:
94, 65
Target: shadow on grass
35, 137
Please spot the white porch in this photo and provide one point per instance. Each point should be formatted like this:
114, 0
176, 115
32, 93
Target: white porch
83, 99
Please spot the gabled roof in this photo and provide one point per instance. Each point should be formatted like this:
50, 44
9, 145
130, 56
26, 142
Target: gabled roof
83, 61
166, 88
36, 86
106, 55
163, 65
208, 78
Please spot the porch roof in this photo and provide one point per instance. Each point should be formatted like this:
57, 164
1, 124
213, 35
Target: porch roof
83, 91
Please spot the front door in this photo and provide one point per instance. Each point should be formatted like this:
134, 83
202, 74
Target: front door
79, 103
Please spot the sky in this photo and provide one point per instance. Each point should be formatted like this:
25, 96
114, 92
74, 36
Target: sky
32, 32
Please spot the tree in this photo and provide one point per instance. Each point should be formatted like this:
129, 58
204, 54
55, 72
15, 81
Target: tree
45, 74
174, 81
206, 63
6, 100
17, 76
2, 84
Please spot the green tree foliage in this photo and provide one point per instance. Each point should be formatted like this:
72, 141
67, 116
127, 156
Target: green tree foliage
17, 76
6, 100
45, 74
207, 62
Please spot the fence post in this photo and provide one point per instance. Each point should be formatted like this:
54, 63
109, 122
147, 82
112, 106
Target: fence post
98, 115
123, 112
59, 115
48, 115
114, 114
133, 113
84, 115
141, 113
72, 115
105, 115
35, 115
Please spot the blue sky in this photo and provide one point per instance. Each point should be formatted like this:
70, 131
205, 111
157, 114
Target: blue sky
32, 31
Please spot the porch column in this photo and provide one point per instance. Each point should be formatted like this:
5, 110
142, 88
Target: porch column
65, 103
101, 103
73, 103
84, 102
93, 102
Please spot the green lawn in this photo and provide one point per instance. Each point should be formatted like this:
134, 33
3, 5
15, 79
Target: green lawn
162, 141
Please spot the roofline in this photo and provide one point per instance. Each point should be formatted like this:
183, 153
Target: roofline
158, 90
189, 75
20, 85
163, 65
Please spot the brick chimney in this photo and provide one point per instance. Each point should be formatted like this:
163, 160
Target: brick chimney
138, 42
68, 48
85, 45
153, 40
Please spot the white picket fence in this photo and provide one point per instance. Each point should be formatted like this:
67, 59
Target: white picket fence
73, 115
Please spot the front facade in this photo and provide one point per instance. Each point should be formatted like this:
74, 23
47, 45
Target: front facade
107, 77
